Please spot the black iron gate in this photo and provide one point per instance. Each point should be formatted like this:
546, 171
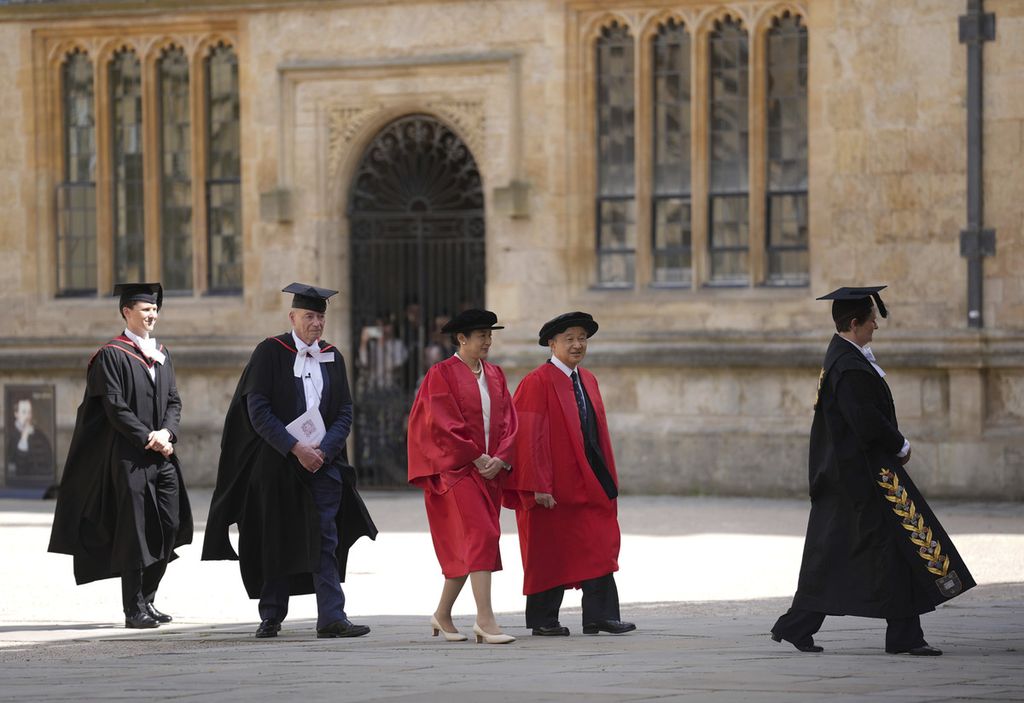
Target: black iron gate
417, 237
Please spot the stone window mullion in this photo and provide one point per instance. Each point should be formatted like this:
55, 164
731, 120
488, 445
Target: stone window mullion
699, 163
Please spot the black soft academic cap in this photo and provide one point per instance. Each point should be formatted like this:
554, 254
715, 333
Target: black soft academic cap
847, 301
472, 319
131, 293
563, 322
307, 297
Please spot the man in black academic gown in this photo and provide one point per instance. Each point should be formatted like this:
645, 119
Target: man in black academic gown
284, 477
122, 508
873, 547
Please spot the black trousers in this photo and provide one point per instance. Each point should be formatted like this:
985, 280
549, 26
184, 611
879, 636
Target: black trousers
798, 627
158, 502
600, 602
139, 587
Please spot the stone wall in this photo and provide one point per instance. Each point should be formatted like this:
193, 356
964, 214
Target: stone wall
709, 390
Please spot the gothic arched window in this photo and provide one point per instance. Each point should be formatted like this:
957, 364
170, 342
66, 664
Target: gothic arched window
786, 137
616, 181
671, 207
728, 130
223, 174
126, 144
76, 189
175, 171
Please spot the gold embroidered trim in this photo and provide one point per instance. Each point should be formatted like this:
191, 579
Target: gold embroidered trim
817, 394
920, 534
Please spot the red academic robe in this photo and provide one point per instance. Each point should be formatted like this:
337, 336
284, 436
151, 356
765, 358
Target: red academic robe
579, 538
446, 433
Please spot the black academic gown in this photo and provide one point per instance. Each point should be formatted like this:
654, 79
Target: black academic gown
871, 547
106, 514
265, 493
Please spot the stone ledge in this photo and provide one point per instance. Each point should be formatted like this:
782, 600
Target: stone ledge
718, 350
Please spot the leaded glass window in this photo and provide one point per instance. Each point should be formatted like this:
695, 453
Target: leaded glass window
76, 191
786, 227
125, 73
671, 207
616, 182
728, 211
223, 178
175, 171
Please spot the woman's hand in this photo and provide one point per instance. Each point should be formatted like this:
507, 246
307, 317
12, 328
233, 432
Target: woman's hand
493, 468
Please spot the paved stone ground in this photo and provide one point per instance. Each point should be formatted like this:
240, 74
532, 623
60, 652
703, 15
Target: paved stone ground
727, 565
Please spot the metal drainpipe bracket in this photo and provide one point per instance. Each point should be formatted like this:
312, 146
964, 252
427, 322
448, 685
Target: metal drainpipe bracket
977, 27
977, 243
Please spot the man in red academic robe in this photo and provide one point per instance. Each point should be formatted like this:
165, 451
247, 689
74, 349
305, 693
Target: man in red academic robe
564, 487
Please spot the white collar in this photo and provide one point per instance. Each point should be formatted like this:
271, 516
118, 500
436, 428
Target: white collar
300, 345
868, 354
561, 366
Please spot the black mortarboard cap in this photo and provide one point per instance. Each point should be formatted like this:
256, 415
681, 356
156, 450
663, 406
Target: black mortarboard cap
472, 319
847, 301
307, 297
563, 322
131, 293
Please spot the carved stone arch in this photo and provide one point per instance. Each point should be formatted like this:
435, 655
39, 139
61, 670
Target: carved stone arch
707, 20
766, 16
60, 51
164, 43
652, 25
205, 46
351, 129
159, 47
110, 48
594, 26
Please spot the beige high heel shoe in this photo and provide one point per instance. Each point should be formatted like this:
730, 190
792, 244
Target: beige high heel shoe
482, 636
450, 636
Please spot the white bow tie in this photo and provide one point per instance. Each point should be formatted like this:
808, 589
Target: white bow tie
148, 347
868, 354
311, 352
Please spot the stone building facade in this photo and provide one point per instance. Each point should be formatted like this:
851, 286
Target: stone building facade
693, 172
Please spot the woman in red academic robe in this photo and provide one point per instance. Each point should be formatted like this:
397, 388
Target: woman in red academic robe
462, 429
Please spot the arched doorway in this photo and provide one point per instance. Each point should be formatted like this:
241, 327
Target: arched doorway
416, 213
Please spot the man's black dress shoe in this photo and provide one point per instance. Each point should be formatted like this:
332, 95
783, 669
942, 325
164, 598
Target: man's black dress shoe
802, 647
139, 621
922, 651
343, 628
556, 630
616, 627
156, 614
268, 628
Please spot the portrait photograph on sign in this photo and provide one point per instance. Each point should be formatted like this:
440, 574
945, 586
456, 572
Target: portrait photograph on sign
30, 422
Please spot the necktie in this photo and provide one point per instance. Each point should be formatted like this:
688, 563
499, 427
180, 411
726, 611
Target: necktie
581, 400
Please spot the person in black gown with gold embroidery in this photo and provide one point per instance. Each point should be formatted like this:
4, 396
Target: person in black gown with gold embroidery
873, 548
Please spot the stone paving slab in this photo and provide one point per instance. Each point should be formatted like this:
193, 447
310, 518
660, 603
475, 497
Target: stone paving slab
684, 561
694, 651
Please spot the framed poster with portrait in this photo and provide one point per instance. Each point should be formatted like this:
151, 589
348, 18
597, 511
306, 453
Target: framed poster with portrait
30, 426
